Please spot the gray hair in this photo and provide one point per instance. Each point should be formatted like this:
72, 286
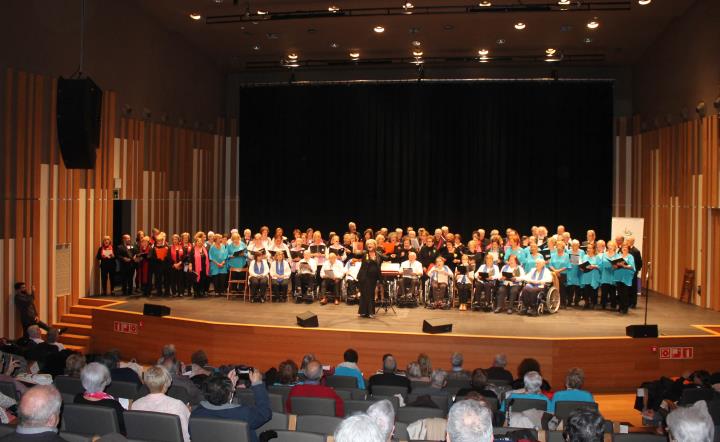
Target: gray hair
313, 371
52, 335
383, 413
469, 421
95, 377
456, 359
413, 370
33, 332
168, 351
691, 424
533, 382
438, 378
38, 406
500, 360
389, 364
575, 378
358, 428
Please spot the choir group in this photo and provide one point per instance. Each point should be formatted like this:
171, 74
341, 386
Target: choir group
489, 272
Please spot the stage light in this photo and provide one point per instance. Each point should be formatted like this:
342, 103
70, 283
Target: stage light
355, 55
701, 109
550, 51
593, 24
644, 2
519, 26
485, 4
588, 40
408, 7
417, 52
500, 41
261, 12
195, 16
292, 56
483, 52
416, 43
334, 45
333, 8
553, 55
379, 29
564, 2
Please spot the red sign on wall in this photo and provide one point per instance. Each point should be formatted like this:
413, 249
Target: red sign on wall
676, 352
126, 327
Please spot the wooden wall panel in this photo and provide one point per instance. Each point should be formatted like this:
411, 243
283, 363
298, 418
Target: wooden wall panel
675, 182
44, 204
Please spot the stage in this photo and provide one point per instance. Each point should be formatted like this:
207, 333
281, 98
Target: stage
232, 331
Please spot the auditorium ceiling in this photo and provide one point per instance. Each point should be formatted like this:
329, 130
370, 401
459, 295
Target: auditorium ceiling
268, 34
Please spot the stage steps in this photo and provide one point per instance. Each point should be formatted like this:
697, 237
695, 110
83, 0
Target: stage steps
79, 323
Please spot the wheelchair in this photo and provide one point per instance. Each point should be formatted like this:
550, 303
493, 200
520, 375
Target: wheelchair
548, 299
313, 292
479, 302
409, 299
350, 293
448, 298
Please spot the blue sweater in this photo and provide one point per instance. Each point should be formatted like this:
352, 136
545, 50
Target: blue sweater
570, 395
255, 416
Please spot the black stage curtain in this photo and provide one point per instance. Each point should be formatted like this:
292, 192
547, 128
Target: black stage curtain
462, 154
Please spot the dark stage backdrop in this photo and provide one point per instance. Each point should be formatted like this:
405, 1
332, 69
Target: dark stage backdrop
462, 154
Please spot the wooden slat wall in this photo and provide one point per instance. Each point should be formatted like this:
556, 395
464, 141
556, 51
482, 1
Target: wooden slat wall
44, 204
670, 177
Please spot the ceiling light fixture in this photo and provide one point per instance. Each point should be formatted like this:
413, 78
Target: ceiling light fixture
334, 45
485, 4
553, 55
519, 26
550, 51
587, 40
333, 8
292, 56
195, 16
644, 2
483, 52
417, 52
500, 41
593, 24
261, 12
379, 29
564, 2
354, 55
256, 48
408, 6
416, 43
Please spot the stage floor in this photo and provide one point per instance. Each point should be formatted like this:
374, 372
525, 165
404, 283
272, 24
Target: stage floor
673, 318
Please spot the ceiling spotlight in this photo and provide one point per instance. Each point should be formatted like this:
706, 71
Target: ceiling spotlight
483, 52
292, 56
334, 45
417, 52
593, 24
408, 6
261, 12
519, 26
354, 55
485, 4
379, 29
587, 40
644, 2
552, 54
195, 16
333, 8
483, 59
550, 51
564, 2
500, 41
416, 43
256, 48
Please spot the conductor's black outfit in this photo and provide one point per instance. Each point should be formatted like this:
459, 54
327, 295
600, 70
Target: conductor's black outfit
368, 278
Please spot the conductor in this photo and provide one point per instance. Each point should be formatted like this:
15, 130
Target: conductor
368, 278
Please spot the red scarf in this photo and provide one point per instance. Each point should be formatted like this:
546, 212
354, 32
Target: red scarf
98, 395
197, 265
176, 253
108, 247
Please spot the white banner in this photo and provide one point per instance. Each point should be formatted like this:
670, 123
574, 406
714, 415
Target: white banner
629, 227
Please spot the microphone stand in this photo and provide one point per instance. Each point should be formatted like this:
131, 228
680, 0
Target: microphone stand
646, 287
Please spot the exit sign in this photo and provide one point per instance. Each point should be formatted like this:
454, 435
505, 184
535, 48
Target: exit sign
676, 352
126, 327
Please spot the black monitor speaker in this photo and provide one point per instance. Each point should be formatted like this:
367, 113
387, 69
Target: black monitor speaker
435, 328
79, 105
642, 331
307, 319
156, 310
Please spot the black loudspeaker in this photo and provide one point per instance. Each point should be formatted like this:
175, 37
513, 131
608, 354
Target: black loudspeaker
156, 310
79, 104
307, 319
434, 329
642, 331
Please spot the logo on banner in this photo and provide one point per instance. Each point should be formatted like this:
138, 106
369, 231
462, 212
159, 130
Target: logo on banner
677, 352
126, 327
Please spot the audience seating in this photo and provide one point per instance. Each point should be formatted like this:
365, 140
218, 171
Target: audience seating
126, 390
692, 395
346, 395
67, 398
394, 400
401, 432
75, 437
419, 384
208, 429
639, 437
175, 391
68, 385
356, 394
278, 421
409, 415
554, 436
564, 408
522, 404
89, 419
296, 436
389, 390
453, 385
441, 400
282, 390
341, 381
277, 404
6, 429
313, 405
500, 431
8, 389
149, 425
317, 424
354, 407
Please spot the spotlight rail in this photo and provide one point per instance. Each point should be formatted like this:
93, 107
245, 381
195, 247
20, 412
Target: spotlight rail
587, 5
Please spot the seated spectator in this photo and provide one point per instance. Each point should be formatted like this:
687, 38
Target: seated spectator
478, 383
312, 388
39, 415
194, 395
425, 364
388, 375
573, 383
438, 382
469, 420
527, 365
498, 372
457, 372
691, 424
199, 368
349, 368
533, 382
414, 374
287, 373
585, 425
219, 391
12, 369
158, 380
305, 361
383, 413
34, 334
118, 372
74, 365
95, 377
52, 339
168, 353
358, 428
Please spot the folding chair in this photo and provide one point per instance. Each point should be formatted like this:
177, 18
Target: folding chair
238, 276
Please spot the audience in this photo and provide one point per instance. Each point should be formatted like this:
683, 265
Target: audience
498, 372
414, 374
39, 416
691, 424
194, 394
527, 365
119, 373
457, 372
305, 361
74, 365
425, 364
358, 428
287, 373
584, 425
158, 380
199, 369
533, 382
478, 383
383, 413
438, 382
95, 377
388, 375
573, 383
312, 388
219, 391
469, 421
349, 368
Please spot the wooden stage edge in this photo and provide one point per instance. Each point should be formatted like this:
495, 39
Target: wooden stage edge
612, 364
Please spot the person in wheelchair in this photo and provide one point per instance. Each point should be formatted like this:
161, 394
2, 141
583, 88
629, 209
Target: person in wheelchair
279, 276
439, 276
307, 267
352, 290
512, 275
486, 278
464, 281
536, 284
332, 273
411, 270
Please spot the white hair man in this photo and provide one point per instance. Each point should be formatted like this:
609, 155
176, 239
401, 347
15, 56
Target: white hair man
34, 335
39, 415
691, 424
383, 413
456, 361
498, 372
469, 420
358, 428
533, 384
388, 376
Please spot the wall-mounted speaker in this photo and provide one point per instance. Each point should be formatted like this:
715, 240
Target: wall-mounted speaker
79, 105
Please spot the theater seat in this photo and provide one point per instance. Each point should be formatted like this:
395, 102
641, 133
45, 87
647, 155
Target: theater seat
126, 390
355, 407
278, 421
318, 424
522, 404
6, 429
89, 419
564, 408
157, 427
341, 381
208, 429
639, 437
388, 390
401, 432
409, 415
68, 385
8, 389
75, 437
296, 436
313, 405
